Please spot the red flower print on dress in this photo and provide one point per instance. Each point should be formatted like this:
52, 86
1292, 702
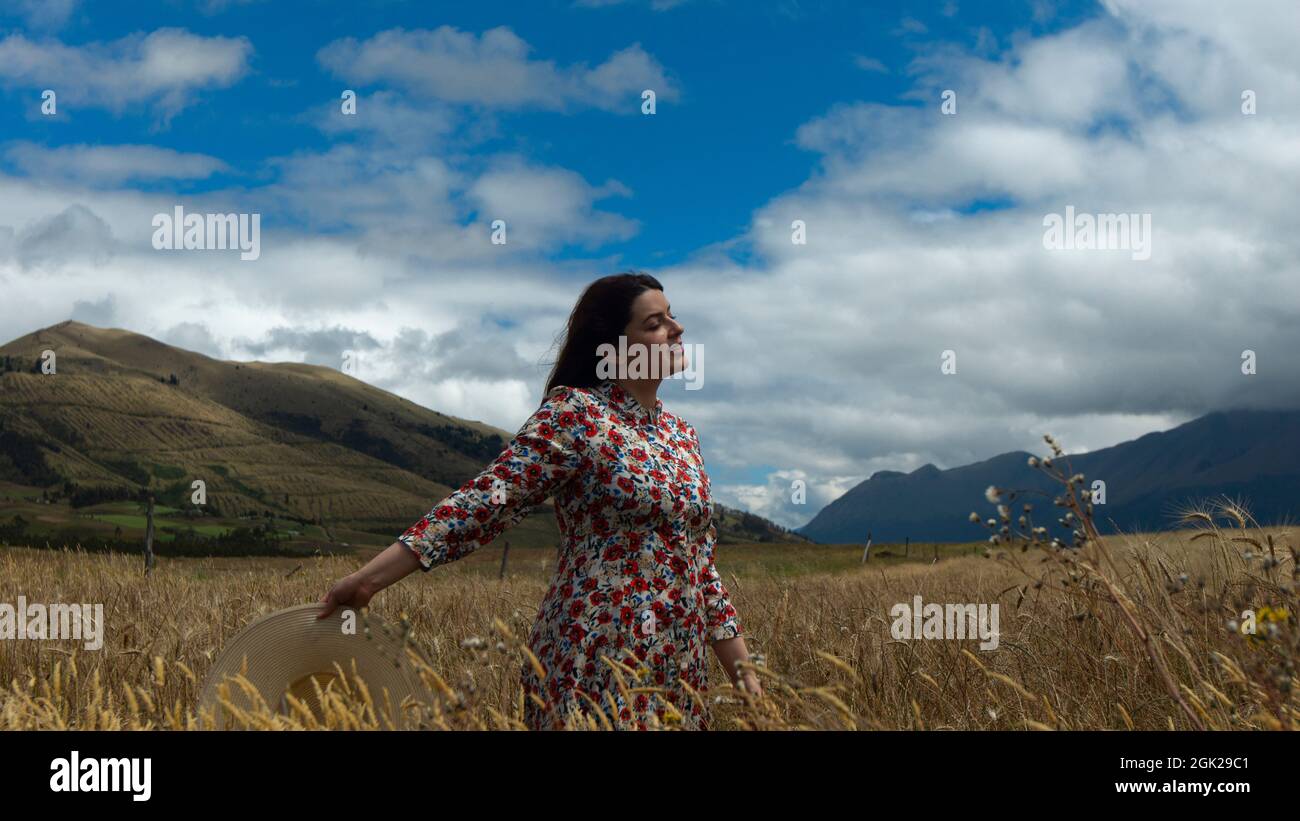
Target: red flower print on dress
635, 579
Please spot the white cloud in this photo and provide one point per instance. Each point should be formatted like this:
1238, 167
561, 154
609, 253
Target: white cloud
43, 14
191, 336
219, 6
546, 207
164, 69
393, 203
388, 117
74, 234
870, 64
822, 359
842, 337
423, 330
110, 164
494, 70
910, 25
100, 312
775, 499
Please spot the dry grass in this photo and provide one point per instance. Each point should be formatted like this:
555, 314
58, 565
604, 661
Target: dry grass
1124, 632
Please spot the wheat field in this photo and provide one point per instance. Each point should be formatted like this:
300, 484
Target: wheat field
1126, 632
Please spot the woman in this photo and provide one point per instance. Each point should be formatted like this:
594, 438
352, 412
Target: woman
635, 579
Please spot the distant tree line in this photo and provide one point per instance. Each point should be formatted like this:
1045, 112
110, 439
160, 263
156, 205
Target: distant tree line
356, 437
13, 531
256, 540
98, 494
465, 440
14, 364
26, 457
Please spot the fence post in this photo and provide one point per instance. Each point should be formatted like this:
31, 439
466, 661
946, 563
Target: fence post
148, 538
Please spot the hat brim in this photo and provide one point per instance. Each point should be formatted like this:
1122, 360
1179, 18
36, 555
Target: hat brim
287, 649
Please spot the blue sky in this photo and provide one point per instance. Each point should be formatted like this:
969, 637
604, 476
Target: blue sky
925, 230
748, 75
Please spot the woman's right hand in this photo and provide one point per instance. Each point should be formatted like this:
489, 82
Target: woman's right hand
395, 562
350, 591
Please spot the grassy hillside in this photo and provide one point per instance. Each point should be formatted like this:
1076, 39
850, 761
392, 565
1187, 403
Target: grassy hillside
307, 452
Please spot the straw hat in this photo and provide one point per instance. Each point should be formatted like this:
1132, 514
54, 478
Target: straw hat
288, 649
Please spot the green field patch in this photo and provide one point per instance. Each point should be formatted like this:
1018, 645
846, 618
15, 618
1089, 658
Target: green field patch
124, 520
126, 509
167, 471
202, 530
139, 522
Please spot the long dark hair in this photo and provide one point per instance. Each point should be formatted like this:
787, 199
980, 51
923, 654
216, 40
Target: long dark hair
601, 315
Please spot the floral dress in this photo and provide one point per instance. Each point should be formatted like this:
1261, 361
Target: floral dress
635, 581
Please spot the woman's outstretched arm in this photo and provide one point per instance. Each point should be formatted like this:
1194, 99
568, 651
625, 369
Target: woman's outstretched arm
546, 453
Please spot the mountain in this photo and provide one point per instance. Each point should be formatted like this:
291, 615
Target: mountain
302, 443
1250, 455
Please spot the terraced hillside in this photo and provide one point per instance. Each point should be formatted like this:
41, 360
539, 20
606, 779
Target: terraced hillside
270, 441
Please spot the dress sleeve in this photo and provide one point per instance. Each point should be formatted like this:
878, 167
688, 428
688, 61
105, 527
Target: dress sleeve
543, 456
722, 621
721, 616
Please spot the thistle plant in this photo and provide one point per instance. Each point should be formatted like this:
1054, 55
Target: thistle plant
1157, 604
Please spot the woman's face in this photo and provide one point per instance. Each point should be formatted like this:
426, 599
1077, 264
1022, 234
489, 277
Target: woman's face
652, 325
